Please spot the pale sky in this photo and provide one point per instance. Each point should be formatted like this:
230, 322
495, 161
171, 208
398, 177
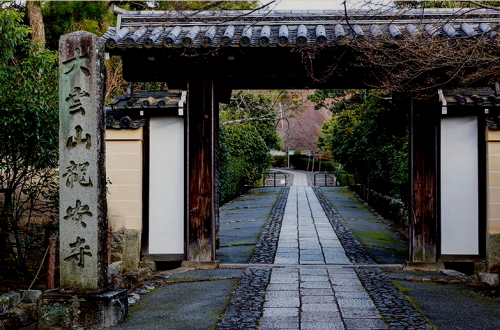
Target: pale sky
306, 4
322, 4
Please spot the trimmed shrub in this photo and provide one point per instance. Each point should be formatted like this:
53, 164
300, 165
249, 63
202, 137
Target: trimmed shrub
243, 157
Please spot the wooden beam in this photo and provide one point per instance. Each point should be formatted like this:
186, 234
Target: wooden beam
201, 118
423, 210
241, 70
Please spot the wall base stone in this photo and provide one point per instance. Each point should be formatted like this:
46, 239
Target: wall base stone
429, 266
131, 249
149, 264
126, 247
480, 267
489, 278
65, 310
493, 253
117, 246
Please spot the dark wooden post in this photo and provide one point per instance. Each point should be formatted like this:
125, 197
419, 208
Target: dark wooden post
201, 118
423, 212
50, 268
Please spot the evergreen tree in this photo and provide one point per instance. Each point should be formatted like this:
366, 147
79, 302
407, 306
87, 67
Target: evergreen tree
28, 137
369, 137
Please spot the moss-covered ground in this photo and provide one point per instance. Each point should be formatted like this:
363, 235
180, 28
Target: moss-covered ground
383, 242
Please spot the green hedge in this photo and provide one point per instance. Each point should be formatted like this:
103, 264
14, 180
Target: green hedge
243, 157
299, 162
369, 136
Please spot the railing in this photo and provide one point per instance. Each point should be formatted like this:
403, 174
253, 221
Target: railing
266, 175
333, 175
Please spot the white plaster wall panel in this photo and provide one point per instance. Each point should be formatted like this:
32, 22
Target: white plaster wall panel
166, 186
459, 186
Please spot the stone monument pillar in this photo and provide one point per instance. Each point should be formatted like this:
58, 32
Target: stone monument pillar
82, 173
82, 299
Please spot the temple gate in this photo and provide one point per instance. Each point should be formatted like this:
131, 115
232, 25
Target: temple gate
209, 53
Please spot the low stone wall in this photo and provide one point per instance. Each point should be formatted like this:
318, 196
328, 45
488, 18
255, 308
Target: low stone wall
18, 310
390, 208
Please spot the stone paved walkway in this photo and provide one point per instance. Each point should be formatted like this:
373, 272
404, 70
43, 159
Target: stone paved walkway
307, 271
312, 289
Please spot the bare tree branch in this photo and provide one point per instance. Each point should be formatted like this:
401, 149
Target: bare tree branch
248, 119
481, 5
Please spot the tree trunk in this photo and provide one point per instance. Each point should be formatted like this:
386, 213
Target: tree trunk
4, 224
35, 19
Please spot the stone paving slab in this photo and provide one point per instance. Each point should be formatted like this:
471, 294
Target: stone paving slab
315, 285
285, 261
280, 312
360, 312
271, 324
320, 316
350, 288
365, 324
322, 326
283, 294
282, 286
359, 302
316, 292
280, 303
350, 294
313, 278
325, 300
319, 307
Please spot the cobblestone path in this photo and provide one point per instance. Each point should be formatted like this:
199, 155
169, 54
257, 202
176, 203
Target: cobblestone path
321, 277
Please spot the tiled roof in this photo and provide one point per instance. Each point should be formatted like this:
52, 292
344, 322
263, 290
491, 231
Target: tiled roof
188, 29
471, 97
129, 111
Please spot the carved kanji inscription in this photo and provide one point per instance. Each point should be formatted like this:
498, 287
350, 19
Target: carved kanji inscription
74, 100
78, 138
77, 213
82, 185
77, 173
78, 252
77, 64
